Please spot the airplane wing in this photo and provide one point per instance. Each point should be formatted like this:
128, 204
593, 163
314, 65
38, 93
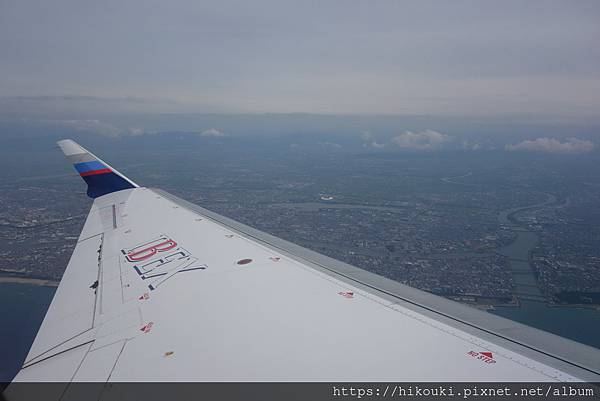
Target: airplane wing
158, 289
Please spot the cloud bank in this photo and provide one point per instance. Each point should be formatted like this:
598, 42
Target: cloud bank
94, 127
369, 140
551, 145
424, 140
91, 126
330, 144
374, 145
213, 133
471, 145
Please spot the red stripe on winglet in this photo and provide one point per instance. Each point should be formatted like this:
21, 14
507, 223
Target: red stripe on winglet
94, 172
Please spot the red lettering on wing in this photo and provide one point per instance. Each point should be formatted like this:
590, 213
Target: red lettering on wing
150, 251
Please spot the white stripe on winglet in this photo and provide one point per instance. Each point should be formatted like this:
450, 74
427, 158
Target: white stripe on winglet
70, 148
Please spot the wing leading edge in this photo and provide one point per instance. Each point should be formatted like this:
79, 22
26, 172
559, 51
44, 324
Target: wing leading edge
158, 289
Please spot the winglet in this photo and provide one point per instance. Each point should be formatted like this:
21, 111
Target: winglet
101, 178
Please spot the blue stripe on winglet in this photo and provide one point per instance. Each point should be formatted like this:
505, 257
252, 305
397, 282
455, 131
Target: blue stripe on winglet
89, 166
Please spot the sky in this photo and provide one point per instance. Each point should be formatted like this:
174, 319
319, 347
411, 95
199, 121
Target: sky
446, 58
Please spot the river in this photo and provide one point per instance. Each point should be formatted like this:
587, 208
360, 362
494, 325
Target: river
579, 324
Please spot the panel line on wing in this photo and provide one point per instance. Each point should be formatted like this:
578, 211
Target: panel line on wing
87, 238
33, 360
114, 216
117, 360
58, 353
99, 285
78, 367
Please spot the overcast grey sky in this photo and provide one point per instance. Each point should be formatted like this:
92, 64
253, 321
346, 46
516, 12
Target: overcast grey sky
465, 58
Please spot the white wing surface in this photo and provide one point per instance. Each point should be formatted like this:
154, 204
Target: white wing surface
161, 290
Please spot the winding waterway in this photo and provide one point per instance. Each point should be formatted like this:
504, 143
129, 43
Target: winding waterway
519, 251
579, 324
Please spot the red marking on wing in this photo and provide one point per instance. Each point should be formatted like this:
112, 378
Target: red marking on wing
94, 172
147, 328
150, 251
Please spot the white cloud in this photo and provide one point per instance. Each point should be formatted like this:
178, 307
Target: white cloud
93, 126
366, 136
136, 131
551, 145
469, 145
213, 133
98, 127
369, 140
424, 140
374, 145
331, 144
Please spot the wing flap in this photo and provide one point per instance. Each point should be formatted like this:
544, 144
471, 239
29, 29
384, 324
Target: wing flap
71, 312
